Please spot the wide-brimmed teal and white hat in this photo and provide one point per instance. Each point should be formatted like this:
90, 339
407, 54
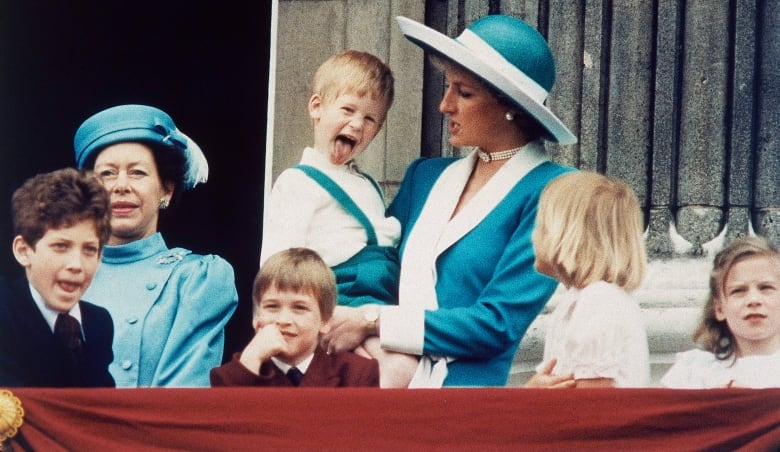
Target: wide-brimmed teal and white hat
508, 54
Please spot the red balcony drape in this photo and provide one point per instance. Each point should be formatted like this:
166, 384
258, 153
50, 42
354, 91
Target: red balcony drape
361, 419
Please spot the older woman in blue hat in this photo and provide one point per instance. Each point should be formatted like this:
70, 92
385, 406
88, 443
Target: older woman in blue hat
169, 305
468, 287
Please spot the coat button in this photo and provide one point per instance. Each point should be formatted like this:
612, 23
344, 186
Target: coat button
127, 364
151, 285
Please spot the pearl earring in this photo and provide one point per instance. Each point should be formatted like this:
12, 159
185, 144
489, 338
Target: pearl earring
509, 116
163, 204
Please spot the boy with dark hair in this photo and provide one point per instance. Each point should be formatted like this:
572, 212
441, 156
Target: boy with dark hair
48, 336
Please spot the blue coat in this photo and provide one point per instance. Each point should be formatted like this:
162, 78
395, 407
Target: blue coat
169, 308
487, 289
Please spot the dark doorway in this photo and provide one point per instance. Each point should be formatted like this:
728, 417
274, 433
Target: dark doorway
204, 62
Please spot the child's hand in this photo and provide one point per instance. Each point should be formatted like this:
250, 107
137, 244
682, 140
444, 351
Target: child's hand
546, 379
267, 342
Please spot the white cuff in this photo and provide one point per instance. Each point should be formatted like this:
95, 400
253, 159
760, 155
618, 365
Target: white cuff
402, 329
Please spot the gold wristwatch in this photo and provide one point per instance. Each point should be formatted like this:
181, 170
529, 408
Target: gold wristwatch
371, 315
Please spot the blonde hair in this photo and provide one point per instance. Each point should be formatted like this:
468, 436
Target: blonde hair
356, 72
298, 270
712, 334
588, 229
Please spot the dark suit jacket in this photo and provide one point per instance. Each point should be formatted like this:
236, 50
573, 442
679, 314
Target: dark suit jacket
336, 370
30, 355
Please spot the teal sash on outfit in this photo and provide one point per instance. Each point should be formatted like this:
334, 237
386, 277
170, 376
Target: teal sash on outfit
371, 275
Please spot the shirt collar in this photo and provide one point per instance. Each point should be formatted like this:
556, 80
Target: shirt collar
303, 366
49, 314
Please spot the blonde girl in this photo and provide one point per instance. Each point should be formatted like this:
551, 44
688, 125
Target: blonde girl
588, 236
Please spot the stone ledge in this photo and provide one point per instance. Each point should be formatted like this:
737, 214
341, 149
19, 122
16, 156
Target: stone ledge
671, 298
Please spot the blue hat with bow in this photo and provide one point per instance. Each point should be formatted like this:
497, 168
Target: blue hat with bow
139, 123
508, 54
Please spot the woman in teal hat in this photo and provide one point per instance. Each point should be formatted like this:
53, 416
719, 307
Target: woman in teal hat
468, 288
169, 305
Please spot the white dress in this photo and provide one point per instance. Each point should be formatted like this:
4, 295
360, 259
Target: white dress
598, 332
699, 369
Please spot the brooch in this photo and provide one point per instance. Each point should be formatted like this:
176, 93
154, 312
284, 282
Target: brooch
11, 415
170, 258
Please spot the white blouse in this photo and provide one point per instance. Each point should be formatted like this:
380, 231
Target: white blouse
299, 212
598, 332
699, 369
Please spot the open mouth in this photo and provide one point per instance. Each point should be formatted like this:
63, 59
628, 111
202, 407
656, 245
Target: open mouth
69, 286
346, 140
343, 149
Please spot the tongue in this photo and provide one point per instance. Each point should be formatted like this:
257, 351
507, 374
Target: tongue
342, 151
68, 287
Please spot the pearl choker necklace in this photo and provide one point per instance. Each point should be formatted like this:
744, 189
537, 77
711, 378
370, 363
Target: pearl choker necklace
488, 157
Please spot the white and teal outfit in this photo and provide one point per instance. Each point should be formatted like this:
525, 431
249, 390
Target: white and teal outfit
169, 308
468, 289
338, 212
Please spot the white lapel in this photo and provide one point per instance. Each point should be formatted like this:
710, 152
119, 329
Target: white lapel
433, 232
418, 278
494, 191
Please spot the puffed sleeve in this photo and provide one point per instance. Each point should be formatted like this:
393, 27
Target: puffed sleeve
206, 290
596, 345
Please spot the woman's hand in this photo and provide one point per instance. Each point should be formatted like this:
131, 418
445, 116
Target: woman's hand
546, 379
345, 330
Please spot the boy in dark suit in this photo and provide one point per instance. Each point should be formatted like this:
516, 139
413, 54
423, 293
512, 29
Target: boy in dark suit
48, 336
294, 296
